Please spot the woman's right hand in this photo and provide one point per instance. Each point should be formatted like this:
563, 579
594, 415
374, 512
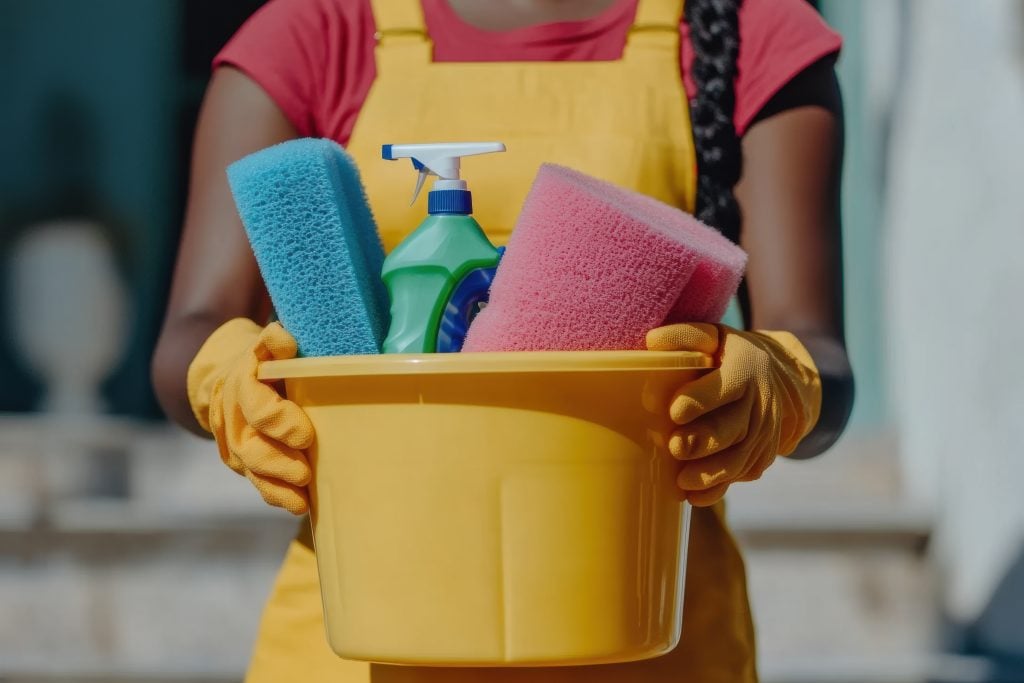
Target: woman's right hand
260, 434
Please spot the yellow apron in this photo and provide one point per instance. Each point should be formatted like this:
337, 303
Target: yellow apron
625, 121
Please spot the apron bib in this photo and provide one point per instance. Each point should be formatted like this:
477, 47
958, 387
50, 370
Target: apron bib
625, 121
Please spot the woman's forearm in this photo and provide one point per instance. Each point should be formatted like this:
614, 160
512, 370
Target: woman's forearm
179, 342
837, 392
215, 277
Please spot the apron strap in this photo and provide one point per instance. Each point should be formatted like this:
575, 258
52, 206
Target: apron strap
402, 19
658, 14
656, 23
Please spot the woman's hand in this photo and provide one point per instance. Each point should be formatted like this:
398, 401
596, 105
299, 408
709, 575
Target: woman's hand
260, 435
763, 397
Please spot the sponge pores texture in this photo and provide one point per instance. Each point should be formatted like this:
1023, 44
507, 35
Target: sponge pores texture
315, 240
594, 266
582, 270
720, 262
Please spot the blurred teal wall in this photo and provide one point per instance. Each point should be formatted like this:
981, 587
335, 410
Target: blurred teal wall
862, 219
89, 94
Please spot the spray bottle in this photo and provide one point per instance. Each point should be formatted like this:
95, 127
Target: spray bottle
439, 275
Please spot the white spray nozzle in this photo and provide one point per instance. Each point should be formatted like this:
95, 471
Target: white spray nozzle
441, 159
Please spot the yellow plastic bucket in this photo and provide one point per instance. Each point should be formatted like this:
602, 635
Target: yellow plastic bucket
495, 509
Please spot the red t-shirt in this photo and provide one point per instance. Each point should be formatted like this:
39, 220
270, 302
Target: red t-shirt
315, 58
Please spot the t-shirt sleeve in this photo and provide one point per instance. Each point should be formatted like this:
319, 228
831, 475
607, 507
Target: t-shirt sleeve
778, 40
282, 48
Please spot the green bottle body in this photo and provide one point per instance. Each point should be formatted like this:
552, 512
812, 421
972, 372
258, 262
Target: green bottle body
422, 272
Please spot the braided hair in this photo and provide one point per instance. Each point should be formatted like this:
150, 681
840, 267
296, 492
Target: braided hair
715, 36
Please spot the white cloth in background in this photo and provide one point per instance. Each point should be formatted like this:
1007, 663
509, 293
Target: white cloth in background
955, 290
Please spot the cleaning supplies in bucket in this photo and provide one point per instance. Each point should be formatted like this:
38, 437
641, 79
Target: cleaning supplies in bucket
486, 509
440, 274
316, 243
594, 266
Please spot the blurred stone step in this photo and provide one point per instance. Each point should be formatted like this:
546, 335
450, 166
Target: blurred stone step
836, 569
159, 602
840, 582
921, 668
106, 676
118, 577
861, 470
873, 604
849, 526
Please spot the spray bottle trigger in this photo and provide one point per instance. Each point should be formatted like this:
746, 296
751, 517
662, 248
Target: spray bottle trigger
419, 185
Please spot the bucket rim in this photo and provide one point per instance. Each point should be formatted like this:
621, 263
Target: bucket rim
484, 363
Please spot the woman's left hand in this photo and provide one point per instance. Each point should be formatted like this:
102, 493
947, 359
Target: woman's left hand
762, 398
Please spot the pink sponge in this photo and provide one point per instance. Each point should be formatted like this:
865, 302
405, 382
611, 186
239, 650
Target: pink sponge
594, 266
720, 265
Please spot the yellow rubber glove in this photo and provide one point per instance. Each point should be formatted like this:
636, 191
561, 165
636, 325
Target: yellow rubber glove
260, 435
763, 397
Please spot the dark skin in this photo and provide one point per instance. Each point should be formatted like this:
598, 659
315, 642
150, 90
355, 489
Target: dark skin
789, 195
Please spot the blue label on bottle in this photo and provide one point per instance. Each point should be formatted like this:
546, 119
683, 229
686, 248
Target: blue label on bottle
467, 299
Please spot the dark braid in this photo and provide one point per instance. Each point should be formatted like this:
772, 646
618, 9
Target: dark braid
714, 33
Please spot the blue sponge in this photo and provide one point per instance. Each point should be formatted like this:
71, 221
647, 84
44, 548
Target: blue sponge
305, 211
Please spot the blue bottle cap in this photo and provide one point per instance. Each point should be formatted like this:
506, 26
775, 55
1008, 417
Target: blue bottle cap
458, 202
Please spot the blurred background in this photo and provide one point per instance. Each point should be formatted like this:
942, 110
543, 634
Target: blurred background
129, 553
